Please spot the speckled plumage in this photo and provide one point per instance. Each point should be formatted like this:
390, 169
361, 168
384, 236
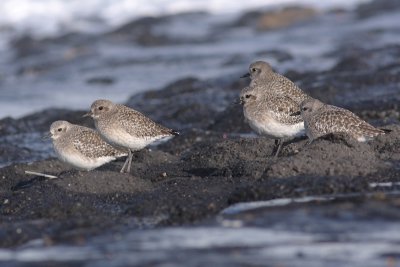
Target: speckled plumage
126, 128
81, 147
269, 101
265, 79
321, 119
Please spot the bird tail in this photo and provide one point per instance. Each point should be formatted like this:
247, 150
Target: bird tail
385, 130
174, 132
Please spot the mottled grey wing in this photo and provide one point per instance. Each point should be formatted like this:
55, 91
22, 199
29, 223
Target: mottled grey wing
137, 124
289, 88
92, 145
282, 107
341, 120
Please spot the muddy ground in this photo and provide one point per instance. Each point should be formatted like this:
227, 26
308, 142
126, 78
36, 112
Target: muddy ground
216, 161
186, 180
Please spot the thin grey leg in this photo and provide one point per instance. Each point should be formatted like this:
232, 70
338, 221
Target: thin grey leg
280, 144
126, 162
130, 161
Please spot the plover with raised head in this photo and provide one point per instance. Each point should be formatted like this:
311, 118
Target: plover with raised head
126, 128
268, 103
81, 147
321, 119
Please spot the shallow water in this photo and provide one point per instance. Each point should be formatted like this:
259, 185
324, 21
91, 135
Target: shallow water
244, 234
65, 70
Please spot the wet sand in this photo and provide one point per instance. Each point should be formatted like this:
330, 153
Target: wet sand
188, 179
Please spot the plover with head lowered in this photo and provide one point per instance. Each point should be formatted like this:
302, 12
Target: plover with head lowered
126, 128
81, 147
268, 103
321, 119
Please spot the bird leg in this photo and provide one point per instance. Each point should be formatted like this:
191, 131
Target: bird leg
279, 143
126, 162
130, 161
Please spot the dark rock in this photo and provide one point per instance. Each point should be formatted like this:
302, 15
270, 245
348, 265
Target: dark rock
186, 103
362, 59
230, 120
275, 19
248, 19
26, 46
101, 80
138, 26
300, 186
328, 156
352, 63
145, 31
41, 121
377, 7
230, 158
286, 17
235, 60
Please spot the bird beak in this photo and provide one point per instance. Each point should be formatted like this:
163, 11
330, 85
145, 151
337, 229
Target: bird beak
89, 114
296, 113
46, 136
245, 75
237, 101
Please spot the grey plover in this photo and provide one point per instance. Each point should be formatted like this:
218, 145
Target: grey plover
268, 103
126, 128
81, 147
321, 119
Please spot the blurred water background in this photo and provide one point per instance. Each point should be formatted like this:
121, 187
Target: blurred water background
56, 53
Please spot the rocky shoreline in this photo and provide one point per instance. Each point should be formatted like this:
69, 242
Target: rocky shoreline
216, 162
194, 176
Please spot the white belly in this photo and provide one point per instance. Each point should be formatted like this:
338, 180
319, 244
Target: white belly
80, 161
274, 129
125, 140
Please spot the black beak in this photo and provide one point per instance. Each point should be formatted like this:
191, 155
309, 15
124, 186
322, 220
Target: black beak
237, 101
296, 113
245, 75
89, 114
46, 136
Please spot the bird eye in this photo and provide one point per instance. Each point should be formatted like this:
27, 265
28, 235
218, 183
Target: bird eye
305, 108
101, 108
59, 129
247, 96
253, 69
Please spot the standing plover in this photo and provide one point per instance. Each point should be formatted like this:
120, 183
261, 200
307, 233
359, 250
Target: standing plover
126, 128
268, 103
81, 147
321, 119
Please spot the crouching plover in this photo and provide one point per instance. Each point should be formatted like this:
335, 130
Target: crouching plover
81, 147
126, 128
321, 119
268, 103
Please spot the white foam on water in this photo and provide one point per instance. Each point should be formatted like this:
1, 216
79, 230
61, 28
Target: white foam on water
387, 184
47, 17
333, 253
23, 94
169, 239
241, 207
251, 245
